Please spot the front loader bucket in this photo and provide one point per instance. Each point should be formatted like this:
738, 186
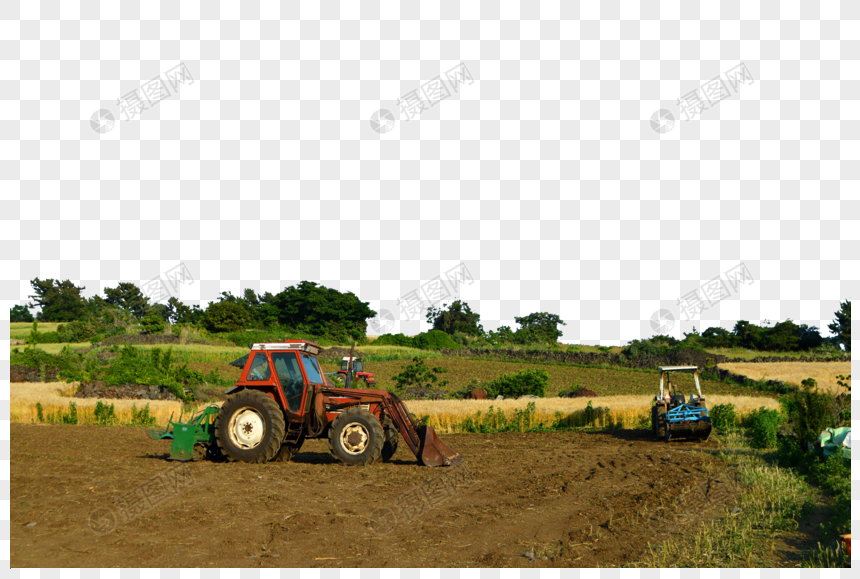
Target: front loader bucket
434, 452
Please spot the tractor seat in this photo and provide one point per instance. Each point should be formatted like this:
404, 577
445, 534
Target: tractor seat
677, 399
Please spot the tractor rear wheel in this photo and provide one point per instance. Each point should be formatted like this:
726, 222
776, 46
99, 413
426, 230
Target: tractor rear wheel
356, 437
392, 437
249, 427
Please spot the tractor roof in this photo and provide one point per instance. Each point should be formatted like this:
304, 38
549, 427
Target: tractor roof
302, 345
354, 359
676, 368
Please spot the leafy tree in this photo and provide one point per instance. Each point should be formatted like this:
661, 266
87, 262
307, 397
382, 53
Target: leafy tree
152, 324
20, 314
160, 311
226, 316
747, 335
419, 375
504, 335
60, 301
459, 317
841, 326
129, 297
539, 327
318, 310
809, 337
782, 337
181, 314
717, 337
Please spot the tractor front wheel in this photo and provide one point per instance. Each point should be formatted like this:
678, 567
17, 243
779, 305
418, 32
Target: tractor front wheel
658, 421
249, 427
356, 437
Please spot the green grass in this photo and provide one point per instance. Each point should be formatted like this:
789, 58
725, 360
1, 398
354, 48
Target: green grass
750, 354
767, 510
21, 330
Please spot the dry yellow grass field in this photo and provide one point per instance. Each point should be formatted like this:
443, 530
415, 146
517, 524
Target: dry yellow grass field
824, 373
629, 411
55, 397
444, 415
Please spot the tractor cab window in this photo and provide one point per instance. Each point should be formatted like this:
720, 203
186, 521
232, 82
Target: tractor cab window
259, 370
312, 369
356, 365
290, 377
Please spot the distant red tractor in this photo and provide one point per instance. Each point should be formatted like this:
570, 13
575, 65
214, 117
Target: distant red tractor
358, 373
281, 399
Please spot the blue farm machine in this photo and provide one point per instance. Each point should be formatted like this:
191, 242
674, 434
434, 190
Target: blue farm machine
672, 416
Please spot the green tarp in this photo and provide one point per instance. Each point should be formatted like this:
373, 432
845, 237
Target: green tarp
833, 439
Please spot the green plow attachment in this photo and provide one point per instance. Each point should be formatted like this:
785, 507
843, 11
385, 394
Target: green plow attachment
194, 439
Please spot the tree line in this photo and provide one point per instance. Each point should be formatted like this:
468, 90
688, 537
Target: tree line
315, 310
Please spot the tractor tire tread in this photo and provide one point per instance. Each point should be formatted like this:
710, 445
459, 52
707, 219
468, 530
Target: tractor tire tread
343, 419
278, 425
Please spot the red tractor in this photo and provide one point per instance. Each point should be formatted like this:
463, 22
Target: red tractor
357, 374
282, 399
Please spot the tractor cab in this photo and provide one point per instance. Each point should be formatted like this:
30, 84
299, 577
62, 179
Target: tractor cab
283, 370
357, 366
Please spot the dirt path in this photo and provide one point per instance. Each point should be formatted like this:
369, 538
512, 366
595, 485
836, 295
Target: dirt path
578, 499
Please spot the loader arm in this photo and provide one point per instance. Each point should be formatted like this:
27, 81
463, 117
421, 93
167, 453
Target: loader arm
422, 440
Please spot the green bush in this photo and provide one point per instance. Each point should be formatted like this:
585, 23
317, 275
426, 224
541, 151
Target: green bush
105, 414
141, 417
70, 417
724, 417
419, 375
152, 325
47, 338
394, 340
810, 412
763, 425
434, 340
525, 382
226, 317
77, 331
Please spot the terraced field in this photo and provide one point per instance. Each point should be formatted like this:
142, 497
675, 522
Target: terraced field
563, 377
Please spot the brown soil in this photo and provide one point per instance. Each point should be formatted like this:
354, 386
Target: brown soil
559, 499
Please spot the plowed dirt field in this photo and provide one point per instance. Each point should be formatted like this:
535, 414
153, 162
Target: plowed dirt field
106, 497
